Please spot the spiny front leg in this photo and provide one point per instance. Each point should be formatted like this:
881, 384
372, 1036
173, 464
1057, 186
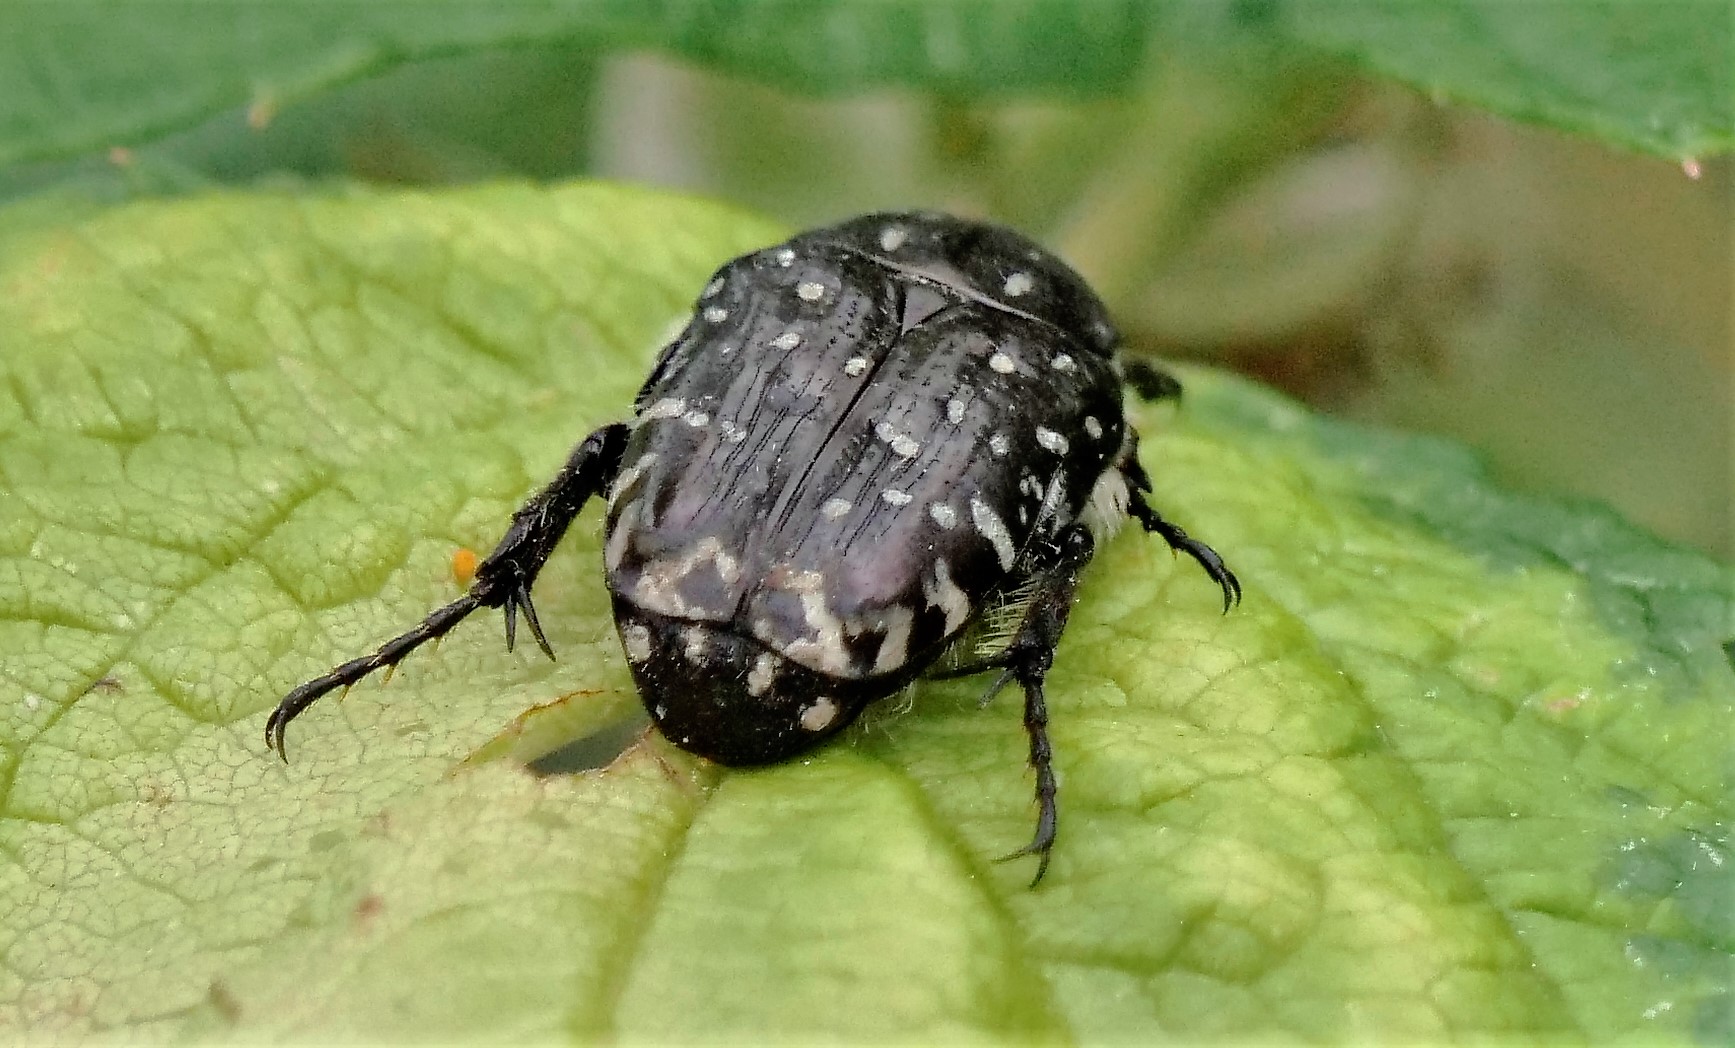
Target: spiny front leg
503, 579
389, 654
1140, 510
1027, 660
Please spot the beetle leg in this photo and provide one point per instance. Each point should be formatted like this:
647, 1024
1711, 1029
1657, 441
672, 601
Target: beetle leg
1151, 382
389, 654
502, 580
504, 577
1027, 660
1179, 540
1041, 759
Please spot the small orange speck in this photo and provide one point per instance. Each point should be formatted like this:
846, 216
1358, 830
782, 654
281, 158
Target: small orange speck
261, 112
120, 156
464, 565
369, 907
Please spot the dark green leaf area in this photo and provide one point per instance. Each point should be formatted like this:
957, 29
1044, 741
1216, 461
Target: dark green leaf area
77, 79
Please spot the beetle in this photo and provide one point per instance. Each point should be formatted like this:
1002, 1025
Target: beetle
863, 441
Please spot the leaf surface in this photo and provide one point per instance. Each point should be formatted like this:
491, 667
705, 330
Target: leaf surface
1458, 766
1657, 77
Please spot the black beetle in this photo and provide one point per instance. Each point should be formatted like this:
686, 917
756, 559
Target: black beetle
864, 439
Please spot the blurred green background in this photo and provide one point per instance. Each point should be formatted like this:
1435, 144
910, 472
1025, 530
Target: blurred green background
1503, 222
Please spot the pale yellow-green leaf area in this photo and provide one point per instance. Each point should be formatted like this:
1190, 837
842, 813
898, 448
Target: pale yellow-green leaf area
1455, 768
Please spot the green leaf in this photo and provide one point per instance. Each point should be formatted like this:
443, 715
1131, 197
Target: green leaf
1458, 765
79, 78
183, 62
1658, 77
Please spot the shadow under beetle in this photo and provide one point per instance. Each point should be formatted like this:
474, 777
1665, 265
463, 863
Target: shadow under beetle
864, 439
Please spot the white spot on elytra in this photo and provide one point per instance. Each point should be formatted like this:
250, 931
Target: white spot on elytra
835, 508
1018, 284
668, 407
998, 444
943, 515
696, 643
786, 341
614, 552
824, 650
1051, 440
637, 641
716, 314
696, 419
945, 595
712, 288
625, 478
820, 715
764, 670
994, 530
954, 411
810, 291
1093, 427
892, 238
659, 584
1063, 362
894, 497
784, 256
895, 647
1002, 363
731, 432
854, 366
901, 444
